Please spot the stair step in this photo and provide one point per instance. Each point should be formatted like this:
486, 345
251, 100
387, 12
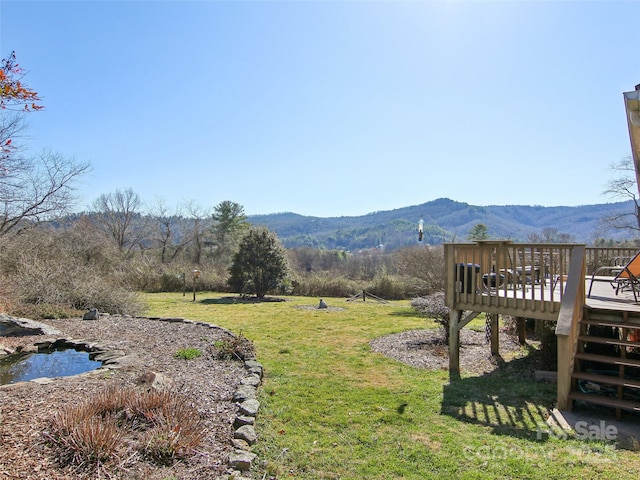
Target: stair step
606, 323
608, 341
608, 314
606, 401
628, 362
607, 379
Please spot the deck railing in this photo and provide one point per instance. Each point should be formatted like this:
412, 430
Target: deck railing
568, 324
523, 280
597, 257
542, 281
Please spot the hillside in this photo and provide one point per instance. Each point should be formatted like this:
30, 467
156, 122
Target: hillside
445, 220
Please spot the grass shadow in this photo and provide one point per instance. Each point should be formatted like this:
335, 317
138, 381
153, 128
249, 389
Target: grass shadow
239, 300
407, 313
508, 399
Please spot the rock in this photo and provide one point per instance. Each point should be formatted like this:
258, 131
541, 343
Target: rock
254, 367
157, 381
249, 407
243, 420
107, 357
252, 380
128, 361
252, 364
244, 392
4, 350
240, 444
241, 460
25, 323
43, 345
323, 304
28, 349
246, 433
42, 380
91, 315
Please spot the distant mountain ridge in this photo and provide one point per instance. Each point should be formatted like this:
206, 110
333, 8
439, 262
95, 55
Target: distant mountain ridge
445, 220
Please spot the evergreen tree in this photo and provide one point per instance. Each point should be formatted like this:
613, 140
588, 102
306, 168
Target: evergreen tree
478, 232
229, 224
260, 264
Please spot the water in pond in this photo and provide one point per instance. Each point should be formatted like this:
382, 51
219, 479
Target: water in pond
55, 363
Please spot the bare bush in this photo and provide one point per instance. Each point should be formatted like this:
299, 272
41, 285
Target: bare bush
233, 348
423, 264
395, 287
325, 285
54, 267
433, 306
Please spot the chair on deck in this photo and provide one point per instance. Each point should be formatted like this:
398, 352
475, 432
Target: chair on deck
626, 276
529, 269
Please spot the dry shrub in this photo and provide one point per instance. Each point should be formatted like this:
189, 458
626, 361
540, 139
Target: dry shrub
84, 437
160, 424
38, 311
434, 307
176, 428
396, 287
234, 348
325, 284
424, 265
68, 269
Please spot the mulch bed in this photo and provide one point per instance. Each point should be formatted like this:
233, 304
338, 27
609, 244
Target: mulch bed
427, 349
208, 383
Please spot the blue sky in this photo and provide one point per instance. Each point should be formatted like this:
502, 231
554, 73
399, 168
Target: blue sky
332, 108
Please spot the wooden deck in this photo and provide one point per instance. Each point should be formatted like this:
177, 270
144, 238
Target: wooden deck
603, 296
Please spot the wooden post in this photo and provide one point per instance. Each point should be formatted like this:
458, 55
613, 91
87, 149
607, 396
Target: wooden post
568, 324
454, 344
565, 355
538, 328
521, 325
495, 334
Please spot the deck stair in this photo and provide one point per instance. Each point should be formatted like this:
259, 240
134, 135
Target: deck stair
606, 368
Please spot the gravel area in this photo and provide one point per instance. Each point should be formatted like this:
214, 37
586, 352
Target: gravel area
150, 346
427, 349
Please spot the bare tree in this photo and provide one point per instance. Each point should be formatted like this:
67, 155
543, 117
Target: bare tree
199, 225
33, 190
119, 217
12, 127
623, 187
550, 235
423, 263
167, 234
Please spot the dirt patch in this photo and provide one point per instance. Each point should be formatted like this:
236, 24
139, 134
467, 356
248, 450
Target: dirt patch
325, 309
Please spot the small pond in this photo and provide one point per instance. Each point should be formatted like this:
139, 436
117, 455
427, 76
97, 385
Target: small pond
52, 363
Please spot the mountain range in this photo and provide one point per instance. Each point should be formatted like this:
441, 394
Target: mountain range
445, 220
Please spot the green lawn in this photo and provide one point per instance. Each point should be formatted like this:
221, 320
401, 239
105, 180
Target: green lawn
334, 409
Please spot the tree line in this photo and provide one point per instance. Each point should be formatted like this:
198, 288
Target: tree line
53, 262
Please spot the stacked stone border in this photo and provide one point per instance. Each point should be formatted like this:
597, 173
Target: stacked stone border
244, 438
